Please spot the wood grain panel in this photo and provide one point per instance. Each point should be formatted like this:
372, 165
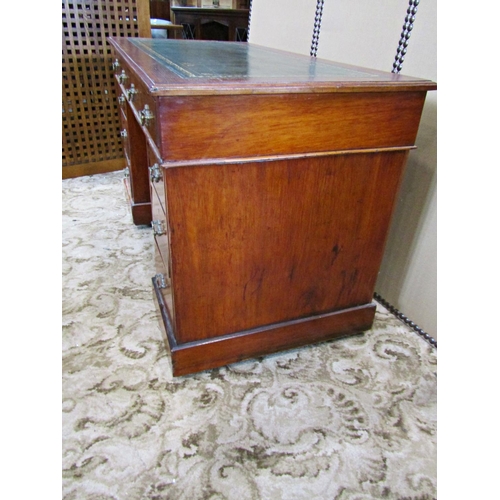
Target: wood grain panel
258, 243
242, 125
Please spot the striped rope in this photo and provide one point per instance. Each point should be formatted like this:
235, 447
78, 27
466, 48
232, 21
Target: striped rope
317, 27
405, 36
249, 19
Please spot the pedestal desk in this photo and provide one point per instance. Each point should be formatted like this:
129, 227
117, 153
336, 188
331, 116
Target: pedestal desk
270, 179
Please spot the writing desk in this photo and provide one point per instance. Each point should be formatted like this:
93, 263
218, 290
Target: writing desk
270, 179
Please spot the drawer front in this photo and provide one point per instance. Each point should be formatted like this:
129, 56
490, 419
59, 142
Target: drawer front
160, 226
160, 267
156, 178
232, 126
158, 190
124, 133
161, 233
142, 103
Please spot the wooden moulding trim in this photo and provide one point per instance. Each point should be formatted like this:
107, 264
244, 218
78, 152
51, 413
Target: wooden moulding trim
298, 156
92, 168
230, 86
188, 89
211, 353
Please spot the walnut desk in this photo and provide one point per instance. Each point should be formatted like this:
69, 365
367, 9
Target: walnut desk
272, 179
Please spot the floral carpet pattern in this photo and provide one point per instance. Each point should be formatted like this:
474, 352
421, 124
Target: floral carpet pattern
350, 419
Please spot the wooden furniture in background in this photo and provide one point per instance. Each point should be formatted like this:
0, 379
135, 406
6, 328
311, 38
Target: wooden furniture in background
91, 140
161, 23
212, 24
273, 178
223, 4
160, 9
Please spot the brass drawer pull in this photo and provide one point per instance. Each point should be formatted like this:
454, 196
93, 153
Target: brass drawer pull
122, 76
131, 92
155, 173
146, 116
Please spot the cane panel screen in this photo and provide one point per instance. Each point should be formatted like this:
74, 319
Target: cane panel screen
90, 119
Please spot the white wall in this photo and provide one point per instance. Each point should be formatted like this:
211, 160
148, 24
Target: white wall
367, 33
283, 24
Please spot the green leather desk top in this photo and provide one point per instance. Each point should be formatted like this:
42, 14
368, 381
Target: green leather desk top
190, 67
239, 60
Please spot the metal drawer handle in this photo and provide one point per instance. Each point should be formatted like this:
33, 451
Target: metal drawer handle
121, 100
122, 76
123, 133
126, 172
158, 229
116, 64
161, 281
131, 92
146, 116
155, 173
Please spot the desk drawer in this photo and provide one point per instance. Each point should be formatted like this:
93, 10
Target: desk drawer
160, 226
142, 104
124, 133
156, 178
161, 233
158, 190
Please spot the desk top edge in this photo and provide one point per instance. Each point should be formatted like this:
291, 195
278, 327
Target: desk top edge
168, 76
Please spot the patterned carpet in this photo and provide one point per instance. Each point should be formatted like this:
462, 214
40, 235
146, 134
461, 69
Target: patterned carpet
351, 419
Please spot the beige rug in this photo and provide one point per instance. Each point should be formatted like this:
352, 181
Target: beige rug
348, 419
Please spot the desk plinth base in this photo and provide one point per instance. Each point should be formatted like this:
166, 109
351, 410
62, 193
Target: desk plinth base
141, 212
215, 352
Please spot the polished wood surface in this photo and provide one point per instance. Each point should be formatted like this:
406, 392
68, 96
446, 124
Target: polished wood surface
287, 123
271, 186
260, 243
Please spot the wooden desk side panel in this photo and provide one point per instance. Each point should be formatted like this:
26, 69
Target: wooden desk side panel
200, 127
259, 243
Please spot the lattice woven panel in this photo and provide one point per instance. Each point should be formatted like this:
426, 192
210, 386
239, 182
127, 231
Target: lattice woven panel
90, 119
